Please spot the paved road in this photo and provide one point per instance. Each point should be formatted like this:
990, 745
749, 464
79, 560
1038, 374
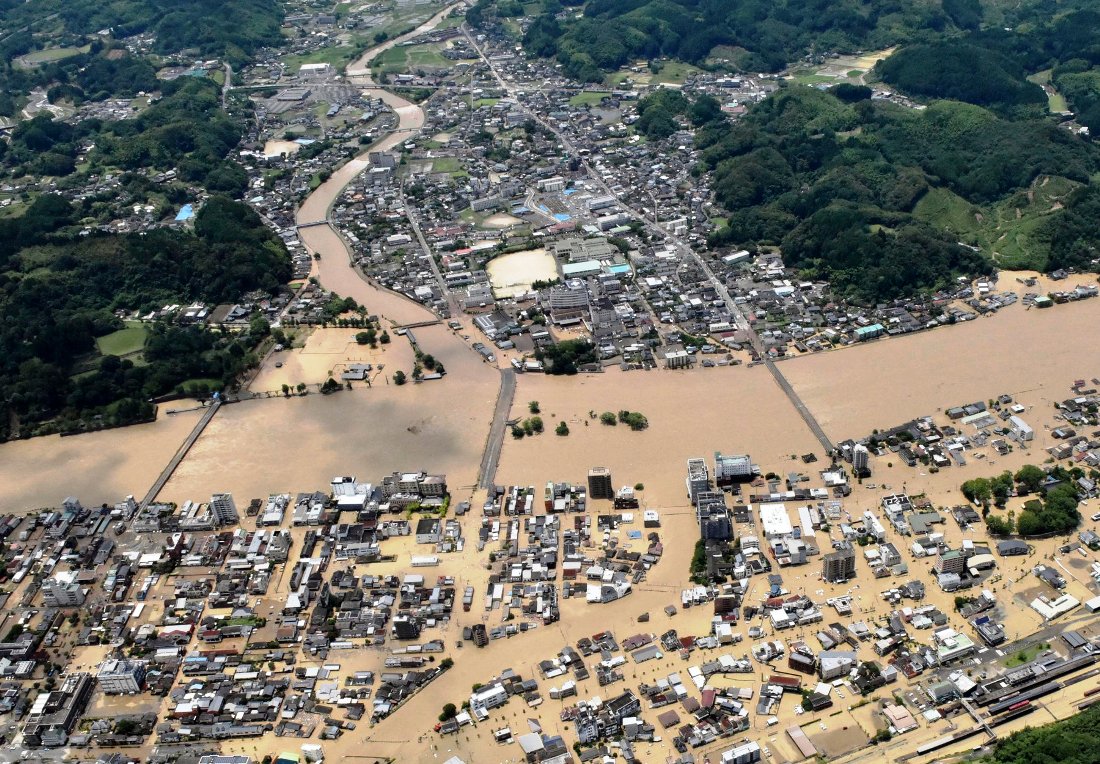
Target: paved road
495, 442
453, 307
652, 224
227, 85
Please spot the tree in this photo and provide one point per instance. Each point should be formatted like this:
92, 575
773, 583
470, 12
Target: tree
999, 526
399, 377
536, 423
978, 490
300, 387
450, 711
562, 428
517, 432
1031, 477
608, 418
385, 338
533, 407
1001, 487
286, 390
330, 386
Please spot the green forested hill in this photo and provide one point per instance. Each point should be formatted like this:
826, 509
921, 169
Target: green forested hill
58, 291
614, 32
233, 29
842, 188
1071, 741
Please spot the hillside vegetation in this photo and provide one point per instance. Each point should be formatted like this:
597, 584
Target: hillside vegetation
615, 32
59, 291
876, 198
962, 72
1071, 741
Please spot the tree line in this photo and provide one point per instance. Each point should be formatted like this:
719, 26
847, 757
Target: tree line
59, 292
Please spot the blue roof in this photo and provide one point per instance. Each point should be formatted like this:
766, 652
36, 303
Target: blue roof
569, 191
561, 216
186, 213
620, 268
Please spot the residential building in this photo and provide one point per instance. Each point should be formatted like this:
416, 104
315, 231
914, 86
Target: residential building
839, 566
747, 753
224, 509
833, 664
118, 677
861, 460
599, 483
698, 478
950, 561
677, 359
62, 592
429, 530
732, 468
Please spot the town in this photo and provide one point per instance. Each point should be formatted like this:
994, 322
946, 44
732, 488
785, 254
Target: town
828, 528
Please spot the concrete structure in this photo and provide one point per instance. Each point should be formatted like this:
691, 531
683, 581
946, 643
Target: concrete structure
861, 460
698, 478
775, 520
677, 359
224, 509
747, 753
732, 468
119, 677
62, 591
839, 566
1021, 428
54, 714
599, 483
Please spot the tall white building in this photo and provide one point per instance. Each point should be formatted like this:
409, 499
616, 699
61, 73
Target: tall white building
224, 509
62, 591
861, 460
698, 478
731, 467
118, 677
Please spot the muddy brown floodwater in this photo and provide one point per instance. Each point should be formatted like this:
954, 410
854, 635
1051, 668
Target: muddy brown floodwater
97, 467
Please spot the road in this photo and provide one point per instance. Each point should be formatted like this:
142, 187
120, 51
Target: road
685, 250
227, 85
453, 306
181, 452
495, 441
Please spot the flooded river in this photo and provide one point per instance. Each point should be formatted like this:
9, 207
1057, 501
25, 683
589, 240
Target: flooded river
335, 270
96, 468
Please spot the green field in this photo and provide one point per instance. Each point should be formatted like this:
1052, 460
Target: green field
125, 341
1056, 102
671, 73
1022, 657
338, 56
49, 55
807, 77
450, 165
674, 72
407, 58
587, 98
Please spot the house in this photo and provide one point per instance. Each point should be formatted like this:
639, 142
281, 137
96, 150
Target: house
833, 664
429, 530
1011, 547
